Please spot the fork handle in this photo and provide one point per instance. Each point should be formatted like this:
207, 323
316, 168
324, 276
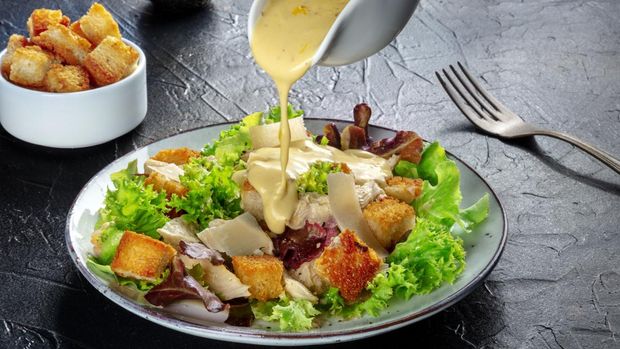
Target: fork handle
603, 156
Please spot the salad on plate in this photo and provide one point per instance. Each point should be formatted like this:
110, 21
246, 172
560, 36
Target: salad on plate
191, 231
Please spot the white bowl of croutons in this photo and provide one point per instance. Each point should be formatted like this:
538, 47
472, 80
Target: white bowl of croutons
71, 86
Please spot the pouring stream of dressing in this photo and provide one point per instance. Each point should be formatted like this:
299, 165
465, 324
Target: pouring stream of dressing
285, 38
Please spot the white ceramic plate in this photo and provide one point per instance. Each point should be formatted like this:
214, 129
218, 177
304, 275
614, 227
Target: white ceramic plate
484, 247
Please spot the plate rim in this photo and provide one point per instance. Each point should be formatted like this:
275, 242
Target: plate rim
278, 338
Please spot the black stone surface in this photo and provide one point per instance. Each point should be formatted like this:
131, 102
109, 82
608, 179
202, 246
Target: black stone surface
556, 63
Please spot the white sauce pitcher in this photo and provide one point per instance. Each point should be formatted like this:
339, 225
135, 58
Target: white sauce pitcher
363, 28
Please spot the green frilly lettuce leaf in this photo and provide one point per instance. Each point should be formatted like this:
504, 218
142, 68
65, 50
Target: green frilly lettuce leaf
315, 179
212, 193
109, 239
432, 254
274, 114
233, 142
291, 314
132, 205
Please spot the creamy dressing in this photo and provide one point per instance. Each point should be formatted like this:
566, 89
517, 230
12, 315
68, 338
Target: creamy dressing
285, 38
364, 166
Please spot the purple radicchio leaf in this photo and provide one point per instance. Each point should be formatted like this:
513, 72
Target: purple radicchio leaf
353, 137
295, 247
361, 116
331, 224
330, 131
178, 285
197, 250
407, 144
240, 313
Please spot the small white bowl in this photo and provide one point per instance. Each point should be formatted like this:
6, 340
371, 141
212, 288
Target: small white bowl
75, 119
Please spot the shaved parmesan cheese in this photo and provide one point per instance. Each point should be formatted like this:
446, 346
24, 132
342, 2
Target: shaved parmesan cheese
178, 229
217, 222
241, 236
346, 209
172, 172
268, 135
297, 290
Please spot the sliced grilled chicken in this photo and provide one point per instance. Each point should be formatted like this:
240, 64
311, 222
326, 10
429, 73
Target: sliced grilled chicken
311, 208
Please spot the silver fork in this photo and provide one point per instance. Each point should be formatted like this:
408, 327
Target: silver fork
491, 116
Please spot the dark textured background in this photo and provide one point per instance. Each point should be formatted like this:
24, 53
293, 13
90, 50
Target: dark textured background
556, 63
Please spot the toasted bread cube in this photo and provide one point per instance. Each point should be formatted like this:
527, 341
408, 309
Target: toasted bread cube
56, 59
29, 66
179, 156
141, 257
262, 273
77, 28
389, 219
66, 78
15, 42
348, 264
97, 24
404, 189
111, 61
161, 183
65, 43
42, 18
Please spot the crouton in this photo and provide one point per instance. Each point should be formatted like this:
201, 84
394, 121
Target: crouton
161, 183
348, 264
141, 257
42, 18
64, 42
15, 42
29, 66
111, 61
404, 189
66, 78
179, 156
262, 273
97, 24
389, 219
76, 28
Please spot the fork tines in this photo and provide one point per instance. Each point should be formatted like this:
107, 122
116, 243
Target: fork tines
472, 100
